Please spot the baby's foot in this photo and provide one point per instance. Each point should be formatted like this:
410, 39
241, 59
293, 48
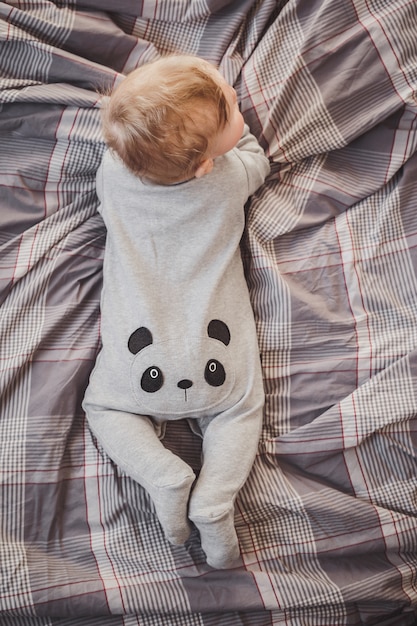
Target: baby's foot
218, 538
171, 504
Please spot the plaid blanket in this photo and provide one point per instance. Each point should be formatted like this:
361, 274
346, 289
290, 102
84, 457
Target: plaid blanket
327, 521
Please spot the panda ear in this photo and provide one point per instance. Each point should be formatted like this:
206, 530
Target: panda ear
138, 340
219, 330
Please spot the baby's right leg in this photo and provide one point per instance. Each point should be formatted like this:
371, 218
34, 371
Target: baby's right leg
132, 443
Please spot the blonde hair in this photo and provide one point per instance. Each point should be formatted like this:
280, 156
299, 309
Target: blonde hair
163, 116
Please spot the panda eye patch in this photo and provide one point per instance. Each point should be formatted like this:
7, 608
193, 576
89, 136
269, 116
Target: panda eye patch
214, 373
152, 379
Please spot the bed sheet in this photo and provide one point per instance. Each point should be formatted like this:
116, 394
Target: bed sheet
327, 521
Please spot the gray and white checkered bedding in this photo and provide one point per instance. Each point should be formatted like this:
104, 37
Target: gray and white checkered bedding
327, 522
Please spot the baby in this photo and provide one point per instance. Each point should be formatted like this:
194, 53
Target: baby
178, 332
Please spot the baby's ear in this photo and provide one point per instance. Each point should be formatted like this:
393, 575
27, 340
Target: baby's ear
204, 168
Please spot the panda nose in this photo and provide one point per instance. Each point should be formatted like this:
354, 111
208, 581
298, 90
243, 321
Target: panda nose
185, 384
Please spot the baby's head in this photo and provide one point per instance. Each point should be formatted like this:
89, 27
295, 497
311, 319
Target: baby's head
170, 118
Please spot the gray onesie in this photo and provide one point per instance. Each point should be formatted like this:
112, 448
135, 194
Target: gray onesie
179, 340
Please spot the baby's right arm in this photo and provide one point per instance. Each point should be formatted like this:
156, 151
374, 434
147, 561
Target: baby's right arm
253, 158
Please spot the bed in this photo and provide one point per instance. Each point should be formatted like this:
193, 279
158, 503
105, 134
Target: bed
327, 521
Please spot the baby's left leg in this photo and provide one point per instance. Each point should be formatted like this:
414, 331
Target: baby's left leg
131, 441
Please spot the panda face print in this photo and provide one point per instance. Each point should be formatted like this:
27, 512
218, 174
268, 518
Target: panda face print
178, 378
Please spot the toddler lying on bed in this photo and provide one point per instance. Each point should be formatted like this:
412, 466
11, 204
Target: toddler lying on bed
178, 333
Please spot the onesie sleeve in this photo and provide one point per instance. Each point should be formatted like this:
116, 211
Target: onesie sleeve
99, 186
253, 158
106, 176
